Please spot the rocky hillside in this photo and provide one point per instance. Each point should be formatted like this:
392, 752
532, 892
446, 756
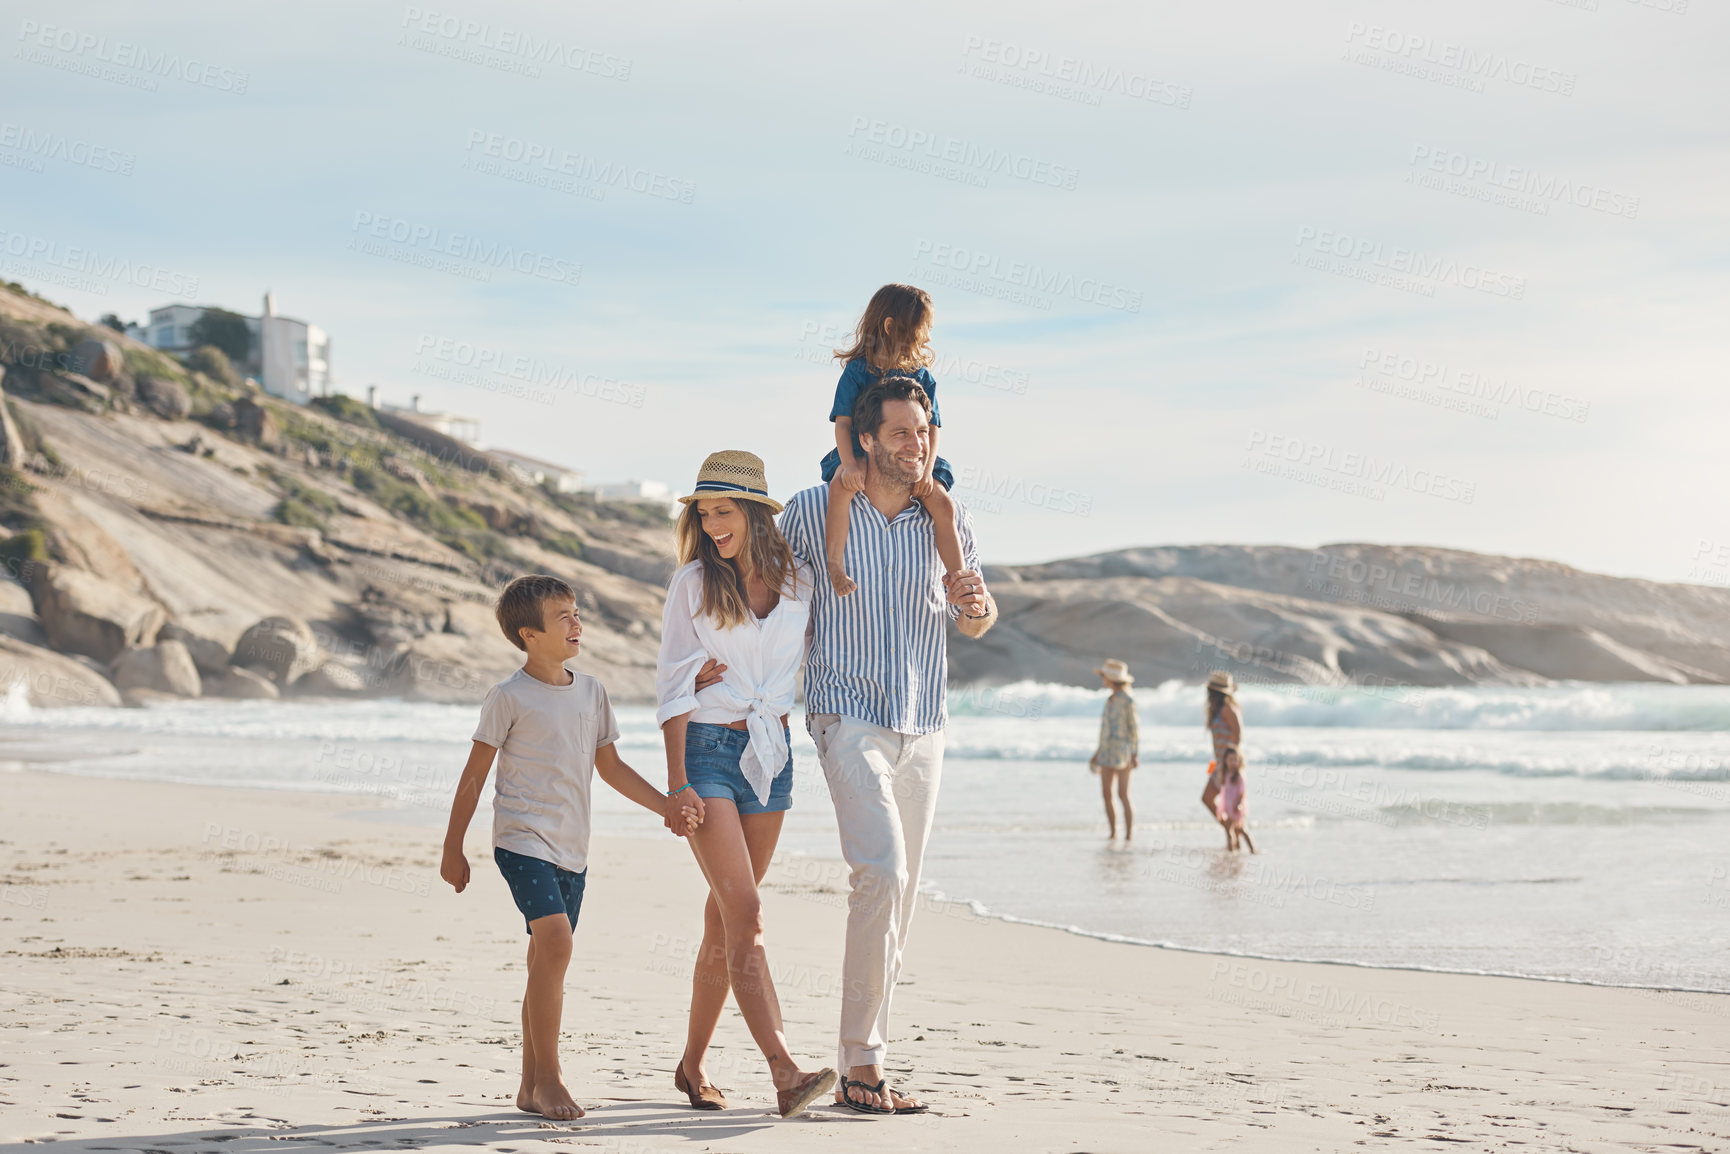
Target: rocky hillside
166, 529
1342, 614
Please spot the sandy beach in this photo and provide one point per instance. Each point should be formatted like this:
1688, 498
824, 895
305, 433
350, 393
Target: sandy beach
188, 967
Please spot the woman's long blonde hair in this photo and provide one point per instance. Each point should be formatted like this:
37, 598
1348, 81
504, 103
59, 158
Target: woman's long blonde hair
905, 345
771, 558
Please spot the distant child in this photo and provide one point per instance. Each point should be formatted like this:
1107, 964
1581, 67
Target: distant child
1228, 803
549, 728
892, 339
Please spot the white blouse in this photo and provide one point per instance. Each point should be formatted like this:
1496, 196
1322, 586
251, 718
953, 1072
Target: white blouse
762, 657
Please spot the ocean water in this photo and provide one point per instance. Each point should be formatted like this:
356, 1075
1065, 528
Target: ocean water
1575, 832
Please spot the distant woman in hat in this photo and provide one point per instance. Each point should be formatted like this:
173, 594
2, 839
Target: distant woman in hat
1119, 744
1224, 725
742, 599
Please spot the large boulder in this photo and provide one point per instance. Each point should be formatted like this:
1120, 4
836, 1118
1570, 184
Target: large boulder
241, 683
50, 679
74, 390
333, 679
165, 667
83, 613
211, 656
167, 399
255, 422
283, 647
18, 614
98, 360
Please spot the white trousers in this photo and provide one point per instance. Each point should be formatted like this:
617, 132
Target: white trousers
884, 785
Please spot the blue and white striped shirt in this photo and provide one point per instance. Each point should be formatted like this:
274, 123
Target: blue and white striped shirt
879, 654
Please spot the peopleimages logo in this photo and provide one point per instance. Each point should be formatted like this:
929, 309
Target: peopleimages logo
1473, 384
28, 254
1017, 280
1359, 473
1068, 77
469, 39
557, 161
42, 145
1412, 262
1525, 181
1422, 57
966, 156
482, 254
86, 51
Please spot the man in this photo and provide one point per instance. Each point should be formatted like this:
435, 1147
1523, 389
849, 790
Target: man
874, 702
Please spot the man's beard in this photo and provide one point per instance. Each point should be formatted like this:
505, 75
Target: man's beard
891, 470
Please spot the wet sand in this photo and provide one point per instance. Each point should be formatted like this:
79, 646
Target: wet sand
188, 968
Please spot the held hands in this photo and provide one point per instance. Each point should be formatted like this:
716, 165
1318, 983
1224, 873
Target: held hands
683, 813
966, 589
454, 868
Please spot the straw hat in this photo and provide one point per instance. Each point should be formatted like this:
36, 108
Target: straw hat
1115, 670
1222, 681
733, 473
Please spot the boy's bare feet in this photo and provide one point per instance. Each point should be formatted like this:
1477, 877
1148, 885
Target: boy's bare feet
526, 1094
838, 578
552, 1101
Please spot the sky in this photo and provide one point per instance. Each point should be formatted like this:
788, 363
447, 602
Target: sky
1247, 272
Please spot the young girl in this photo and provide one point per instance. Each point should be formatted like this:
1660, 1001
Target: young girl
892, 338
1228, 803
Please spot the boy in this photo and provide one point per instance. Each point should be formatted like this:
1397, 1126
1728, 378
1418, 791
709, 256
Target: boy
549, 727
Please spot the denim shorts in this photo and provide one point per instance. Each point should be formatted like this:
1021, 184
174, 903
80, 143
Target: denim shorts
541, 888
712, 754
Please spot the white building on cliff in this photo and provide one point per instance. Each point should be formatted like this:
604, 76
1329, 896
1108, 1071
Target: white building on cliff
290, 358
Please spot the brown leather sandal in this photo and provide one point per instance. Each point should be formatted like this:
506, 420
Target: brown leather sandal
704, 1097
814, 1086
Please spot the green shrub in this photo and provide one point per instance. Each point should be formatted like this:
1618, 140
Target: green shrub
290, 511
562, 543
346, 409
213, 363
223, 330
142, 362
19, 551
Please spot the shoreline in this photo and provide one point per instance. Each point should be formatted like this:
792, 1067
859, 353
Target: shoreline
201, 964
404, 813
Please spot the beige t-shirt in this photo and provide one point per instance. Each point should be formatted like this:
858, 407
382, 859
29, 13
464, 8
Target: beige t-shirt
546, 736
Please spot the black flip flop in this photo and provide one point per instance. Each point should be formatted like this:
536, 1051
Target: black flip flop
847, 1099
919, 1109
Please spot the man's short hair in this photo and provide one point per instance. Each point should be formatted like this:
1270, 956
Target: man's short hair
520, 604
868, 408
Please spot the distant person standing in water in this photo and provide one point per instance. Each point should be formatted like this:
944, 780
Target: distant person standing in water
1119, 745
1229, 802
1224, 725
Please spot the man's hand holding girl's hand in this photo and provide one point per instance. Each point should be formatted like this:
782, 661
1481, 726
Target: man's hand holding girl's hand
850, 476
966, 590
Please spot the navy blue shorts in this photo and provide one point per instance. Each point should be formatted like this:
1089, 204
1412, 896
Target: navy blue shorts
712, 754
541, 888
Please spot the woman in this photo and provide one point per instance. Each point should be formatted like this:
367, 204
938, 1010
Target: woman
1119, 745
1224, 725
741, 598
